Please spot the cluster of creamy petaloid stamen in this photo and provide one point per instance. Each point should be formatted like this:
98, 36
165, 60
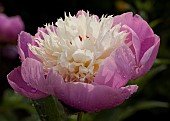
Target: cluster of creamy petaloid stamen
77, 45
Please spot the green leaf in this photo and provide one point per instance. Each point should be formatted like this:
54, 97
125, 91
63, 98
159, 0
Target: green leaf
155, 23
124, 113
50, 109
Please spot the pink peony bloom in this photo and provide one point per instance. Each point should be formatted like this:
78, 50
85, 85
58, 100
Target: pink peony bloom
84, 61
10, 27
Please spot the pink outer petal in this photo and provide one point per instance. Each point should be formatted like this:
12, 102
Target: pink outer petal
133, 41
83, 96
136, 23
151, 49
88, 97
33, 74
146, 47
117, 69
17, 83
23, 40
148, 59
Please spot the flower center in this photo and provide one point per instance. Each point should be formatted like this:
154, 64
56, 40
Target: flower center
77, 46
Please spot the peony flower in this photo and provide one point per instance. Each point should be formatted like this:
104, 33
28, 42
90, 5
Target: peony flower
85, 61
10, 27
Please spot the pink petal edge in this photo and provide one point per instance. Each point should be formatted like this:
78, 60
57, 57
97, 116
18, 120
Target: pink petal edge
116, 70
32, 73
17, 83
23, 39
88, 97
136, 23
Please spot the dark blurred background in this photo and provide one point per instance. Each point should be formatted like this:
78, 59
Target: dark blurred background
150, 103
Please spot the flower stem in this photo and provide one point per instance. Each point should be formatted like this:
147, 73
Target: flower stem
79, 116
49, 109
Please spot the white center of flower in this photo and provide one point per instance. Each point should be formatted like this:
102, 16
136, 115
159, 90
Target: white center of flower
77, 46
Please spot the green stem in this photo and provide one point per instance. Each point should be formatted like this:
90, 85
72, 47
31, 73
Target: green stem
79, 116
49, 109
